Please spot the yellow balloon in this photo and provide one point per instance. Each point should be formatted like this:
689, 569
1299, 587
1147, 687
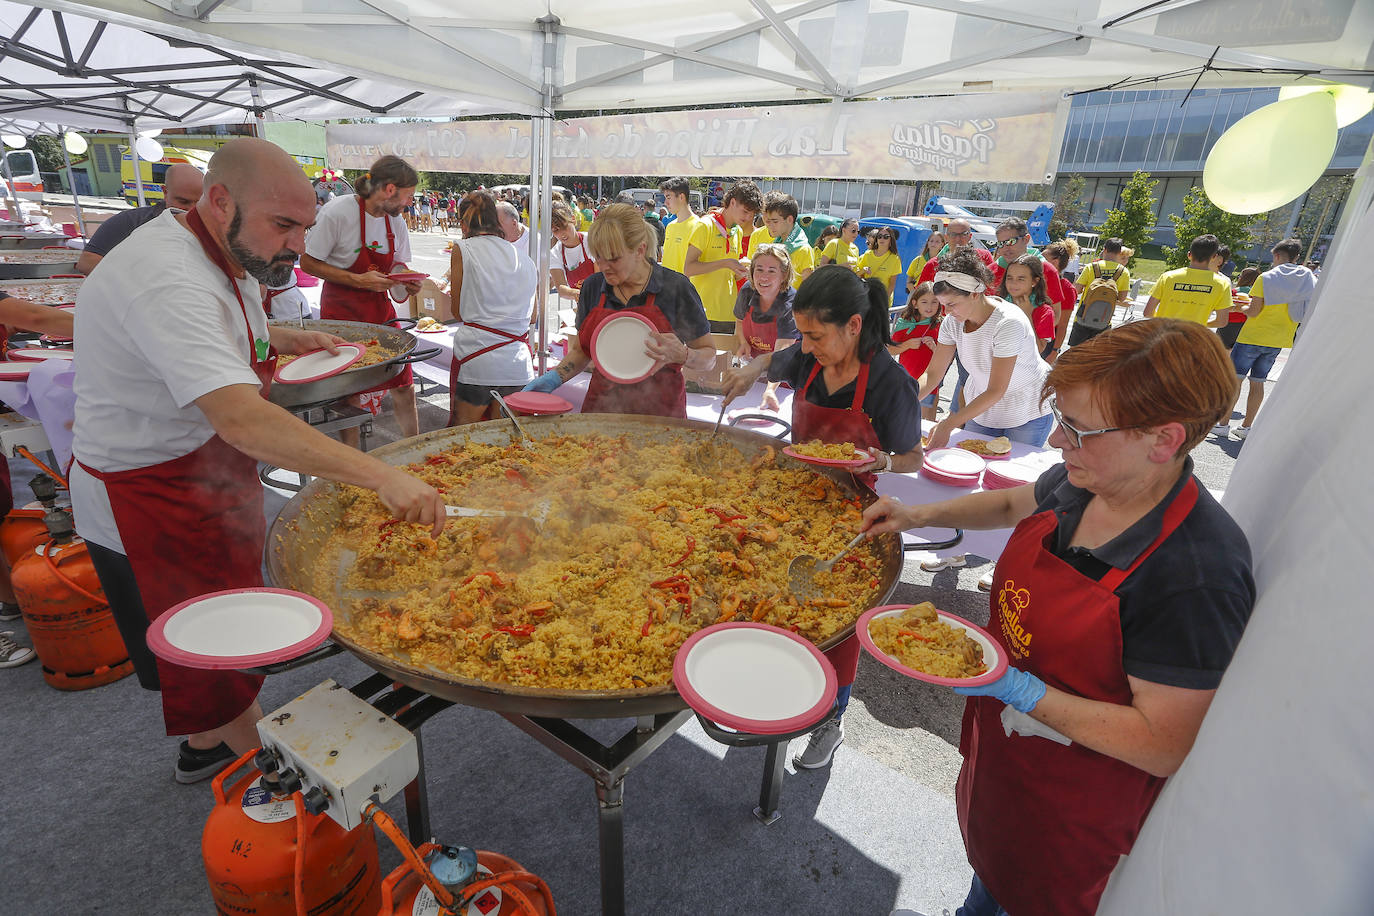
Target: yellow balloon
1272, 155
1352, 102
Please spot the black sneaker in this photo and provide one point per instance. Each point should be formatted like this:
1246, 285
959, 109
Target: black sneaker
9, 611
194, 764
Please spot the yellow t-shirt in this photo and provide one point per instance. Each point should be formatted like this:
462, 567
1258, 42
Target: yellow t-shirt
803, 259
717, 288
1089, 275
1191, 294
881, 267
676, 236
917, 265
1271, 327
848, 255
760, 236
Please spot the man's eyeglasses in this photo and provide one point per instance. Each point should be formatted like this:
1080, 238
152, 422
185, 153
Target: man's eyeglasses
1005, 243
959, 235
1076, 435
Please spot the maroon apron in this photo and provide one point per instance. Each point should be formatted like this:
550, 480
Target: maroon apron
1045, 824
346, 303
761, 336
835, 424
585, 267
193, 525
663, 394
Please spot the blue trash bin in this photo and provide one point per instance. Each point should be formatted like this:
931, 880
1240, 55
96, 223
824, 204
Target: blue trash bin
911, 241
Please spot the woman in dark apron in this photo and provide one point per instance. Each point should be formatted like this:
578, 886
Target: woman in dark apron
849, 389
1118, 602
628, 281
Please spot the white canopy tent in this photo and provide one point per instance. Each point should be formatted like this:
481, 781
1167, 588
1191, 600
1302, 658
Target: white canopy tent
1267, 847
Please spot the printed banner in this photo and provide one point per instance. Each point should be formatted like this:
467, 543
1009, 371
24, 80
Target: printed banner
985, 137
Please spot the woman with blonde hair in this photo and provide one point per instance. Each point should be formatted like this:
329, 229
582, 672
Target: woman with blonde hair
628, 280
763, 310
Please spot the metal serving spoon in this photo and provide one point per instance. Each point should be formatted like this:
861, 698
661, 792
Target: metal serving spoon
801, 572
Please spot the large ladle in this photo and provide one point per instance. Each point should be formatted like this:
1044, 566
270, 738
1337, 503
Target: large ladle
802, 571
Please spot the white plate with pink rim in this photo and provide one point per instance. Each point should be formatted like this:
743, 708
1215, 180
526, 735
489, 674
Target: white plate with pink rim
618, 345
318, 364
955, 462
240, 628
16, 371
36, 354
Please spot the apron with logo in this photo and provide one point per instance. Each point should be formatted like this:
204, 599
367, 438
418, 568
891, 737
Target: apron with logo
1044, 823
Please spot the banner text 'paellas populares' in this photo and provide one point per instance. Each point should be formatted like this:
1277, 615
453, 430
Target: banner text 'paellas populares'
989, 137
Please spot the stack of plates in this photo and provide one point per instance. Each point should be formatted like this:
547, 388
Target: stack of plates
954, 467
1008, 474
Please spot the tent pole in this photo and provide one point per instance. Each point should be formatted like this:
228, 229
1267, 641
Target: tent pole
71, 183
138, 168
541, 185
12, 201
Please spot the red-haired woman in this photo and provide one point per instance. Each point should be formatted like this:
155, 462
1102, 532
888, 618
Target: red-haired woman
1118, 602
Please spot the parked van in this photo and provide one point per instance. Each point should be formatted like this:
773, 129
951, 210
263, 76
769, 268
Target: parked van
23, 166
644, 196
154, 174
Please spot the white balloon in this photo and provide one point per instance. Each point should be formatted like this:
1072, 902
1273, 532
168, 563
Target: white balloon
74, 142
1271, 155
1352, 102
154, 132
15, 141
149, 150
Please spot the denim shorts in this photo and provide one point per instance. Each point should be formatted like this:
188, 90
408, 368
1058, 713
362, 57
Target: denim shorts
1253, 360
931, 399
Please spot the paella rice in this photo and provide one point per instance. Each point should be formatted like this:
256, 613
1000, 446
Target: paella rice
637, 549
919, 639
999, 446
374, 354
830, 451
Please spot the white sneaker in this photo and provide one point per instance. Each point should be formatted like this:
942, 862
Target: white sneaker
944, 563
985, 581
820, 750
12, 654
1241, 432
1222, 429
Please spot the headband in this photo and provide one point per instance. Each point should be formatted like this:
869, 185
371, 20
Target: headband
960, 281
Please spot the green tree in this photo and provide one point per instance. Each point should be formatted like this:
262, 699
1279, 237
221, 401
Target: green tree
1136, 217
47, 149
1201, 217
1322, 208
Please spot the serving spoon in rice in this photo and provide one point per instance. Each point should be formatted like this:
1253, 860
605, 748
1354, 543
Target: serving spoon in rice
802, 571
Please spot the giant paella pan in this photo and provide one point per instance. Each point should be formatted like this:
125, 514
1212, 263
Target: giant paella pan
393, 347
624, 536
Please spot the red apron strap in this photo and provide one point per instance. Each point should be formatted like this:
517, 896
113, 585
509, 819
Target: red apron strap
1173, 517
213, 252
860, 386
510, 339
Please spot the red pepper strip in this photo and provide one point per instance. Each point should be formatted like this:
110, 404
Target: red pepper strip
495, 579
723, 515
648, 621
691, 546
669, 582
515, 476
486, 636
436, 459
683, 599
521, 630
914, 635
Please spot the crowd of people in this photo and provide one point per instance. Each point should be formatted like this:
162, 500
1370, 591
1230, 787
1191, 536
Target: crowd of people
1122, 592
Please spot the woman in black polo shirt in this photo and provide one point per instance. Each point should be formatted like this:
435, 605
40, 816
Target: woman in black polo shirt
849, 389
1119, 601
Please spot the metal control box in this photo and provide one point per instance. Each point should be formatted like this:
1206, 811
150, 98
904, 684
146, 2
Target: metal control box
339, 744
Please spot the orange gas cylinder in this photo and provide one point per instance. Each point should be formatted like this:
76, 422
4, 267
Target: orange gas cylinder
67, 615
249, 847
21, 531
404, 893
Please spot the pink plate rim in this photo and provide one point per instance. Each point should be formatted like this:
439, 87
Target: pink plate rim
602, 326
538, 403
740, 723
38, 354
995, 670
17, 370
163, 649
827, 462
949, 480
359, 351
406, 276
960, 454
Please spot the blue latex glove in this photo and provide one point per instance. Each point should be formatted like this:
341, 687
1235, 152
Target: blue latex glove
547, 383
1016, 688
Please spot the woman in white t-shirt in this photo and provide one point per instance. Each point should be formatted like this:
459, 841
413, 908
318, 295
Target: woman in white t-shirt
493, 285
997, 345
